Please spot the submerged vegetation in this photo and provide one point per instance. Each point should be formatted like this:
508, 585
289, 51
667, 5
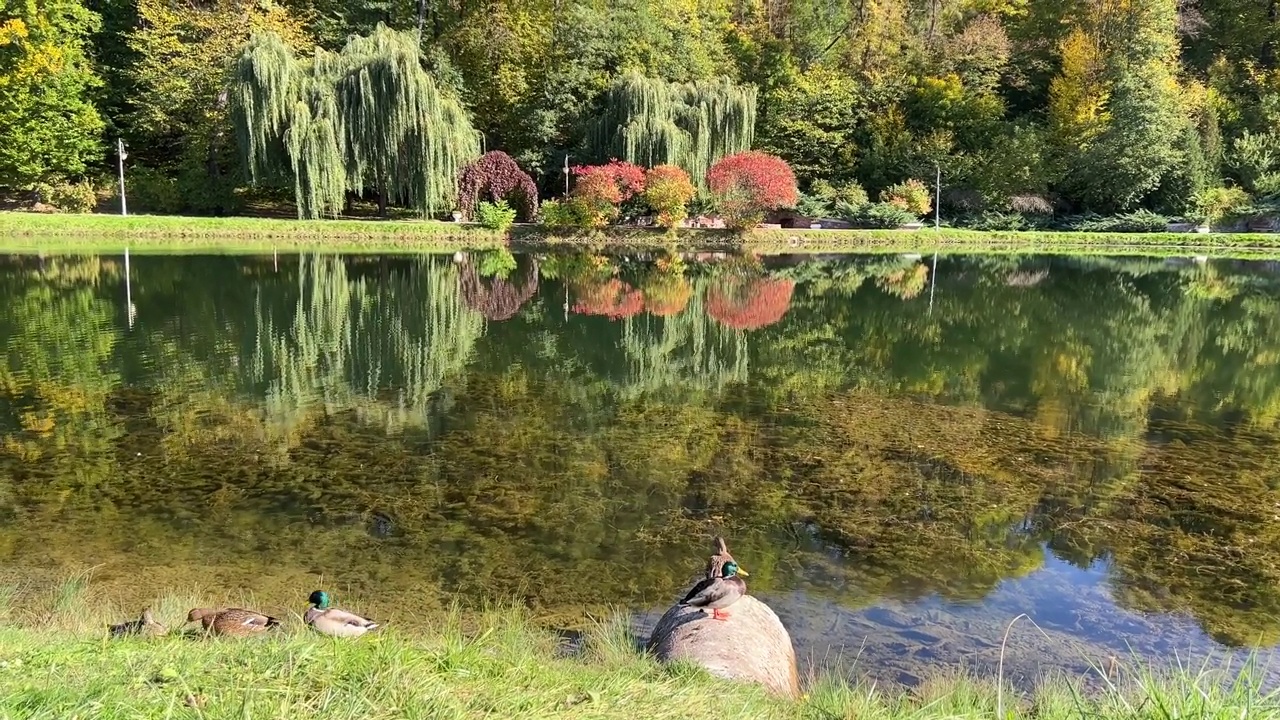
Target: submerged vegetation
500, 663
863, 435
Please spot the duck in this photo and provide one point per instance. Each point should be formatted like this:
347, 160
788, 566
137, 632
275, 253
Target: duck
718, 590
233, 622
334, 622
145, 625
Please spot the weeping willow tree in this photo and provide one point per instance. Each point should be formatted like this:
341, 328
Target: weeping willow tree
369, 117
653, 122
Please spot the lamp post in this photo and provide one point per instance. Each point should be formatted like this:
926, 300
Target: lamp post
566, 176
121, 154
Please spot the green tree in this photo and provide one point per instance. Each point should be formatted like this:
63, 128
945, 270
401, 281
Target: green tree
812, 124
370, 117
49, 127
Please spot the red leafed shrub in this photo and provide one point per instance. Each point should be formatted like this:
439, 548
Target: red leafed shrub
495, 176
749, 304
627, 178
749, 184
599, 197
612, 298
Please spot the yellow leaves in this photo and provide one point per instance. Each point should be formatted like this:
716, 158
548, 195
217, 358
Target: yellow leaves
13, 31
1078, 95
35, 59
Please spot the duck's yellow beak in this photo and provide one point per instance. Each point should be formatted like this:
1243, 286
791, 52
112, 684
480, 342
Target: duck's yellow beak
742, 571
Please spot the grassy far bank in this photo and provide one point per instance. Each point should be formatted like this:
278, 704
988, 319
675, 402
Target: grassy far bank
31, 232
55, 662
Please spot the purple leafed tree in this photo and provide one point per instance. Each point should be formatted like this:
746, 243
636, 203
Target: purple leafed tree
495, 176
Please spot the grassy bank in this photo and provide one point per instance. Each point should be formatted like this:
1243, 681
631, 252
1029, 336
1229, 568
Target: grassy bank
56, 662
30, 232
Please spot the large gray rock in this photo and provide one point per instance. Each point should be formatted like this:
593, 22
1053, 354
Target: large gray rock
750, 646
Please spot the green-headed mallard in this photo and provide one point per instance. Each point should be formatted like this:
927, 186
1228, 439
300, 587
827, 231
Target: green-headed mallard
145, 625
718, 591
235, 622
334, 622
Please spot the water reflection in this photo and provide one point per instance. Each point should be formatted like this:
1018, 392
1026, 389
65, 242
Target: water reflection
1090, 441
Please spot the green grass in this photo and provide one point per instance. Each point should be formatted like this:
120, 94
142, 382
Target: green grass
33, 232
56, 662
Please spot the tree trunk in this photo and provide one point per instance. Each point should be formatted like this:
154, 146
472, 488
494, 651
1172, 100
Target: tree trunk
1268, 55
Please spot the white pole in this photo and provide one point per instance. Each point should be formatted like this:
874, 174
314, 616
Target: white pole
124, 209
566, 176
933, 280
128, 287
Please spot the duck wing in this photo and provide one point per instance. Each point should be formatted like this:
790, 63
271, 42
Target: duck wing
707, 592
347, 618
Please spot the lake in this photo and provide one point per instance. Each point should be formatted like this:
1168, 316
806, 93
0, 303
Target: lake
906, 453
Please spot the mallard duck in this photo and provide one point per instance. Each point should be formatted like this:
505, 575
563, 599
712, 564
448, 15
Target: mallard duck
334, 622
145, 625
235, 622
718, 591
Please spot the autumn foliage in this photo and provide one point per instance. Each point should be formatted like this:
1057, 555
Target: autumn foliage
749, 303
603, 188
495, 176
668, 190
749, 184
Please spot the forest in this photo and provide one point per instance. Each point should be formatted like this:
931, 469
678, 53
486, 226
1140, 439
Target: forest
1027, 108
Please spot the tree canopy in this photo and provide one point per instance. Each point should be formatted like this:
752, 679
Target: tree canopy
1082, 106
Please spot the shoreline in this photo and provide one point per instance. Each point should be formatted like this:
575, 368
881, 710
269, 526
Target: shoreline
56, 661
30, 233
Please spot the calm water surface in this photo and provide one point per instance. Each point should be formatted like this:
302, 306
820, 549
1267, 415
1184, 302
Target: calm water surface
905, 459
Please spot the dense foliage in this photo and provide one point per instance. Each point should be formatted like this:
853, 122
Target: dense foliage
495, 176
668, 192
1087, 106
747, 185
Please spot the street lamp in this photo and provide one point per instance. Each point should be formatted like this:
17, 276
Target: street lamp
566, 176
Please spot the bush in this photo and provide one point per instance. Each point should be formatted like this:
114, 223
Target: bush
877, 215
994, 221
668, 190
496, 176
749, 184
571, 213
912, 196
605, 188
1139, 221
850, 193
627, 179
150, 191
69, 197
495, 216
1214, 204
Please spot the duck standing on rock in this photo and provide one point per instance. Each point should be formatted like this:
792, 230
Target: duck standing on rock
232, 622
722, 587
334, 622
145, 625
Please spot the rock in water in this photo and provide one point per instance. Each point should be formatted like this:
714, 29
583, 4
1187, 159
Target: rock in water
751, 646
